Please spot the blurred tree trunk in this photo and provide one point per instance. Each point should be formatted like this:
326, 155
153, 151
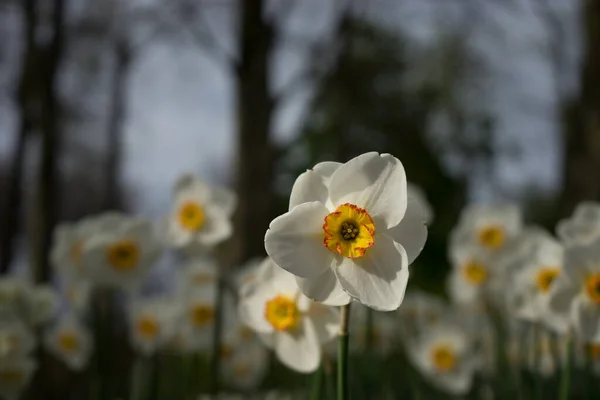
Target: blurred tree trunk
255, 107
46, 200
581, 119
113, 196
14, 192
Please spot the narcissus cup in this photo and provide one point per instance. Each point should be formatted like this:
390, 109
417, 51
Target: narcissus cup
350, 232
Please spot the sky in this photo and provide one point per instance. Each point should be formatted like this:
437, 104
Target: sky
180, 99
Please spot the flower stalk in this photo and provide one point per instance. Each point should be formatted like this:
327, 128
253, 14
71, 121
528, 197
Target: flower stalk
565, 379
343, 337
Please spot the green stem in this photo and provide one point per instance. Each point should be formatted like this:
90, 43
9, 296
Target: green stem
566, 372
343, 336
317, 384
215, 362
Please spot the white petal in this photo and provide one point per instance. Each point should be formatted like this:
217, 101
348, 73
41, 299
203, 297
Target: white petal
309, 186
295, 240
461, 291
225, 199
458, 382
374, 182
299, 349
216, 228
251, 309
561, 296
324, 288
326, 169
379, 278
586, 318
174, 235
326, 321
411, 232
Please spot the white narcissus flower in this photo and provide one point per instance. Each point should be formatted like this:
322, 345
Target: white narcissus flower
493, 228
198, 273
14, 293
69, 239
121, 256
575, 294
15, 374
348, 233
535, 272
42, 305
582, 227
286, 320
201, 214
245, 366
473, 274
16, 340
444, 357
152, 323
70, 341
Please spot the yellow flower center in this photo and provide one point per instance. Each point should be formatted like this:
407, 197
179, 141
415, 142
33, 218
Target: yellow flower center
201, 315
349, 231
226, 351
545, 278
68, 341
75, 254
12, 376
594, 350
124, 255
475, 272
592, 287
282, 313
241, 370
191, 216
443, 358
148, 327
492, 237
202, 278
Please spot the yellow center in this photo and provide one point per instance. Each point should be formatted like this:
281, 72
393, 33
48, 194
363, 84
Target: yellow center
443, 358
191, 216
226, 351
545, 278
148, 327
68, 341
475, 272
75, 254
594, 350
282, 313
592, 287
201, 315
349, 231
492, 237
124, 255
12, 376
241, 370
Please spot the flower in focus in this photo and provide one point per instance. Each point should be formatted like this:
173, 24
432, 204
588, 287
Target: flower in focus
15, 374
200, 215
121, 256
582, 227
536, 271
151, 324
575, 294
348, 233
70, 341
286, 320
443, 356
